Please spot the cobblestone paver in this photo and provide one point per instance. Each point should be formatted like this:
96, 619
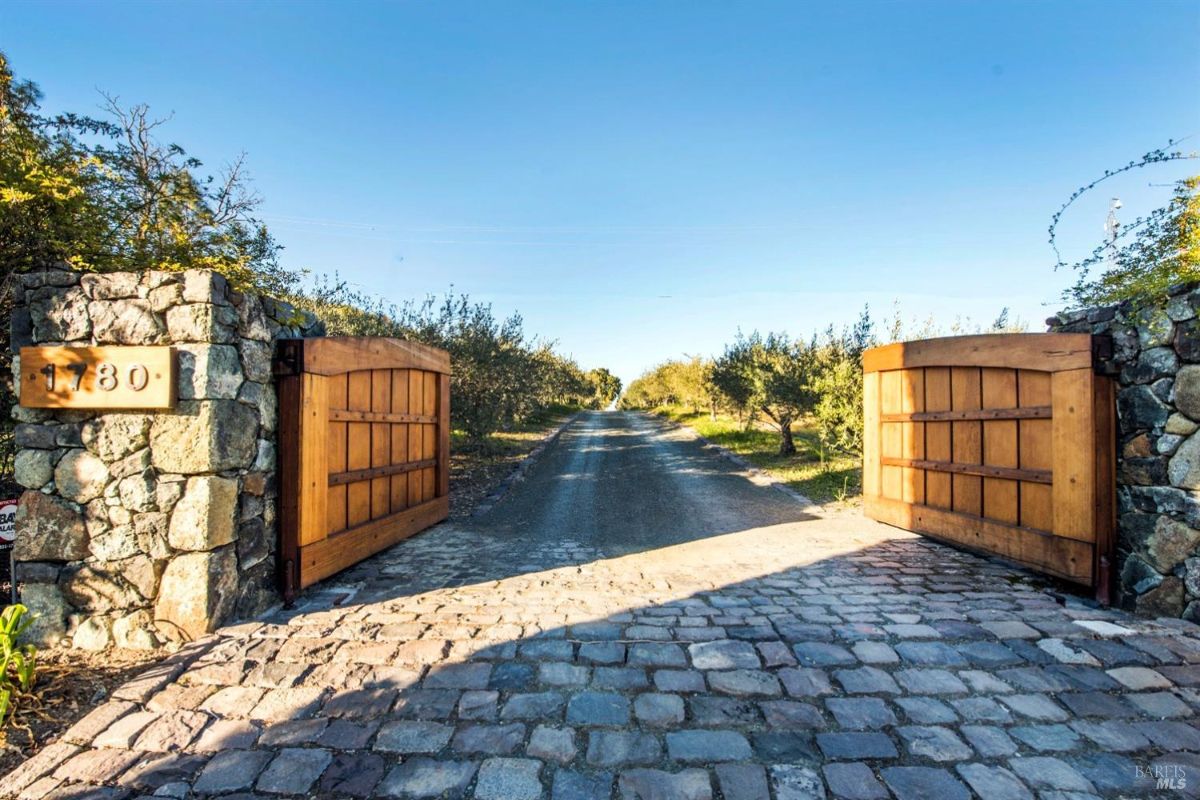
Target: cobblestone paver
829, 658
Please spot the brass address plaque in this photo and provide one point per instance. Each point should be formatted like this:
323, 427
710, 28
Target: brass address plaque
98, 377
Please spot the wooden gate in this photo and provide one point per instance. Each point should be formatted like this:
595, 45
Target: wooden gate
1001, 443
364, 447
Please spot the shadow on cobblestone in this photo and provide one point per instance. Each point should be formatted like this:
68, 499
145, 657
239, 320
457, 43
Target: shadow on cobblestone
853, 661
639, 620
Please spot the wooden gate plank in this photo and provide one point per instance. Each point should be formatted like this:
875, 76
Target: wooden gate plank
966, 440
358, 449
399, 483
337, 453
443, 450
314, 460
416, 402
871, 459
912, 400
938, 489
891, 437
381, 442
429, 407
1074, 454
1049, 352
1034, 449
1106, 484
1000, 445
332, 555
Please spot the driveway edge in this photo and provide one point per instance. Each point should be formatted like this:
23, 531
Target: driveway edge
518, 472
766, 477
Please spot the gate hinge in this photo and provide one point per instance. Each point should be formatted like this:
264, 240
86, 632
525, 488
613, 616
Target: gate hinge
289, 357
1102, 354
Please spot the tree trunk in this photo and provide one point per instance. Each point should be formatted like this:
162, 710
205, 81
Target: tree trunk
787, 446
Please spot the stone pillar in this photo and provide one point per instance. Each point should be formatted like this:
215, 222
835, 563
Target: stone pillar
1156, 362
143, 529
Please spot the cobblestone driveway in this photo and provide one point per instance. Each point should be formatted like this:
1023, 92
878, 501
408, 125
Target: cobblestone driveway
822, 657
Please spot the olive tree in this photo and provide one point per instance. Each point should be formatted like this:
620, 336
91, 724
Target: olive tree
773, 375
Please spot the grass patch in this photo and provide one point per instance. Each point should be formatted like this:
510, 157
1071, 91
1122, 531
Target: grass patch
837, 477
518, 439
477, 468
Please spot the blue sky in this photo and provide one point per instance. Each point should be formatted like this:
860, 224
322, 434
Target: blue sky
640, 179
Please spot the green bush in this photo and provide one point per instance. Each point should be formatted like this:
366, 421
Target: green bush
501, 375
18, 663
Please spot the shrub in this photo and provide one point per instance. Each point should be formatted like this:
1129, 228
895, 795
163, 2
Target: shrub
501, 376
18, 663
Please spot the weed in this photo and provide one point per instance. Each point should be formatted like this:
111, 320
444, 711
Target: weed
18, 663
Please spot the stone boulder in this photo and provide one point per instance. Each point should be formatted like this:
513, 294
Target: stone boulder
1139, 407
49, 610
137, 492
252, 320
115, 436
1154, 363
80, 476
131, 464
209, 372
198, 591
1154, 328
163, 297
1187, 340
1180, 425
97, 590
1165, 600
33, 469
1184, 469
1170, 544
110, 286
206, 516
1139, 576
142, 573
151, 531
204, 436
253, 544
205, 286
135, 632
1187, 391
202, 322
49, 529
60, 316
125, 322
114, 544
93, 634
256, 360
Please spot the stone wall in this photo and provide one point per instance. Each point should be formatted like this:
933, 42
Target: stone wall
1156, 362
142, 529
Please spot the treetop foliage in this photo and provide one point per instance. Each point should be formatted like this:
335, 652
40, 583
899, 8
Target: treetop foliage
787, 381
107, 194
